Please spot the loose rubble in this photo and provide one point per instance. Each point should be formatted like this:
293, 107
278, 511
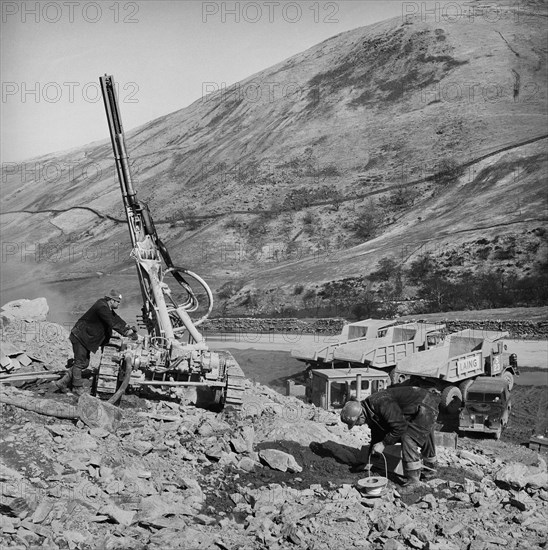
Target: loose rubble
278, 474
31, 344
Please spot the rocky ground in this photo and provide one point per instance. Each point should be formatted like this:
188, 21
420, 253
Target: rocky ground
278, 474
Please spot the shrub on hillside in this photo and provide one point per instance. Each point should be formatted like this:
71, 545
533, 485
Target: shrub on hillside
447, 171
419, 269
386, 269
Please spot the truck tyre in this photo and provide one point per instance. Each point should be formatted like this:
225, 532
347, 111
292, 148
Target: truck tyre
509, 377
464, 386
397, 377
451, 398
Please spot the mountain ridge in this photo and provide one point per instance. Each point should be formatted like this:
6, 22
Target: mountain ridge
369, 125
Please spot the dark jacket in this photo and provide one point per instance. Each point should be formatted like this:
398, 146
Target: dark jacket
390, 411
94, 328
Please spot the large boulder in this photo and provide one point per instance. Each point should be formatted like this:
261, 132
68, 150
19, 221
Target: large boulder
25, 310
518, 476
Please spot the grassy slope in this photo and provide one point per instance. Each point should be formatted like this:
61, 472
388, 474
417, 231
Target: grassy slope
361, 106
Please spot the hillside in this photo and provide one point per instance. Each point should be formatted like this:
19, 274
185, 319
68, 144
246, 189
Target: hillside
387, 141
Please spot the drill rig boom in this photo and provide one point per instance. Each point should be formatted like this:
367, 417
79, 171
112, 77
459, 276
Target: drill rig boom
175, 353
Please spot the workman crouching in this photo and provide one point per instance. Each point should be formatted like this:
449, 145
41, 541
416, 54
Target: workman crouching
405, 414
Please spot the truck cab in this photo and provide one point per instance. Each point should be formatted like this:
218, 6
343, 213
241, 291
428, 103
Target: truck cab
330, 389
487, 407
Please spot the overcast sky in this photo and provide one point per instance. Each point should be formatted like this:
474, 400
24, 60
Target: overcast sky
163, 54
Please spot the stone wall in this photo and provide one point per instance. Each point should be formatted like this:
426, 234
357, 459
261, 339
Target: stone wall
252, 324
517, 329
529, 330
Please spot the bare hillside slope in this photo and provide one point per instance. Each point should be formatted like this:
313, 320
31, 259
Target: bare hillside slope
374, 143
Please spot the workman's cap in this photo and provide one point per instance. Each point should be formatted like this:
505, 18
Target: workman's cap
113, 295
350, 413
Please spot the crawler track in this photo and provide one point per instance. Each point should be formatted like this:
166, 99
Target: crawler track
235, 381
107, 378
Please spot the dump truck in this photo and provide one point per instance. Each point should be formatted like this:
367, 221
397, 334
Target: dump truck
487, 408
371, 343
392, 344
174, 355
321, 354
463, 356
381, 346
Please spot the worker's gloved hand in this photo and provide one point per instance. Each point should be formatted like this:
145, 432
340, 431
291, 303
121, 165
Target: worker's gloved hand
131, 332
378, 448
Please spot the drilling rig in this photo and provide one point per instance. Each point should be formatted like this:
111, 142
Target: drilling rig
174, 355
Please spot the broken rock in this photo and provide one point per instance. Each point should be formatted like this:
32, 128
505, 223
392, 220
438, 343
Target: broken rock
28, 310
124, 517
99, 414
518, 475
278, 460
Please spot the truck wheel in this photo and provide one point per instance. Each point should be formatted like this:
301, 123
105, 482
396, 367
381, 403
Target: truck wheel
509, 377
464, 386
397, 377
451, 398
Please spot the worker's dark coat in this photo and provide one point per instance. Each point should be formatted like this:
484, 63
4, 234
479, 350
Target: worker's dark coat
95, 327
390, 411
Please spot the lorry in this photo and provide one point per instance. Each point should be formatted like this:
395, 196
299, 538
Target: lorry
452, 367
391, 345
173, 357
320, 355
487, 407
381, 345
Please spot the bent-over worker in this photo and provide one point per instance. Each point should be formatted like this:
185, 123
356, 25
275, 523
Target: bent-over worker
405, 414
91, 331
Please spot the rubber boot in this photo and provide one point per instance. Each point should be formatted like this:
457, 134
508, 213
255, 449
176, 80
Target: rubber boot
61, 385
429, 472
78, 391
413, 477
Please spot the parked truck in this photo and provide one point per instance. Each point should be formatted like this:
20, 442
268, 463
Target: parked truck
375, 343
487, 408
452, 367
393, 344
372, 344
321, 354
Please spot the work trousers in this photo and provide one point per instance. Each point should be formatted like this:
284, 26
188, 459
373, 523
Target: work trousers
418, 441
81, 362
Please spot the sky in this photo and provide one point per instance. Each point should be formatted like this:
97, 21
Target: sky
163, 55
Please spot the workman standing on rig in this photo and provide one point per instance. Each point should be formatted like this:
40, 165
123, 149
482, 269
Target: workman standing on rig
405, 414
91, 331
